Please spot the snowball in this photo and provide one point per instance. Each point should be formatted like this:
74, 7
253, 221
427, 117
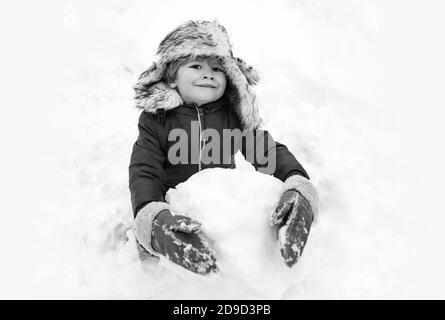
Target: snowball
234, 207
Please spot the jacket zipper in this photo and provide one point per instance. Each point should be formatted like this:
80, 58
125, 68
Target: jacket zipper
201, 140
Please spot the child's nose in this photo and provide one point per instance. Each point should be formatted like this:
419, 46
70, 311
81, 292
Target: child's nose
207, 76
208, 73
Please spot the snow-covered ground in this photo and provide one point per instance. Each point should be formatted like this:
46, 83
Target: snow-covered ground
343, 86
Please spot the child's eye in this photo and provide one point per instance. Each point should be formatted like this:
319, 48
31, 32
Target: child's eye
217, 69
195, 66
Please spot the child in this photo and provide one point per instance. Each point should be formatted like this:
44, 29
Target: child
195, 85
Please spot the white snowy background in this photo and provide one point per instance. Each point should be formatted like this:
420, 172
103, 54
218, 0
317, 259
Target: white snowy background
353, 88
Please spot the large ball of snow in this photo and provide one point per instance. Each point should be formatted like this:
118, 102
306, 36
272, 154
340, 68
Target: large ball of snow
234, 207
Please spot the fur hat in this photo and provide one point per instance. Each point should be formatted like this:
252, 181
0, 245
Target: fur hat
193, 39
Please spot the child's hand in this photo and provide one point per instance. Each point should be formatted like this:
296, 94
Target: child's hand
294, 216
177, 237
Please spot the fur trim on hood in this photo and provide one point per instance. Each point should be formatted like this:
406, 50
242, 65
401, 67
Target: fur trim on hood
193, 39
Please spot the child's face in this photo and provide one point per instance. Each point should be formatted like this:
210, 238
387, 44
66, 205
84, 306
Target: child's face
200, 81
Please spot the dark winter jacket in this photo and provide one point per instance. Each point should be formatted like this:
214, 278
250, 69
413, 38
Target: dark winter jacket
152, 174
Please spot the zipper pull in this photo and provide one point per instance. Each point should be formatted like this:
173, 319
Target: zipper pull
203, 139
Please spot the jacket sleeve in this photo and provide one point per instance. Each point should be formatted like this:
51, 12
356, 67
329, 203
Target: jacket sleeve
146, 165
270, 156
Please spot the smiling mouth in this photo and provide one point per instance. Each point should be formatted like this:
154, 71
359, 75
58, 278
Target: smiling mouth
205, 86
